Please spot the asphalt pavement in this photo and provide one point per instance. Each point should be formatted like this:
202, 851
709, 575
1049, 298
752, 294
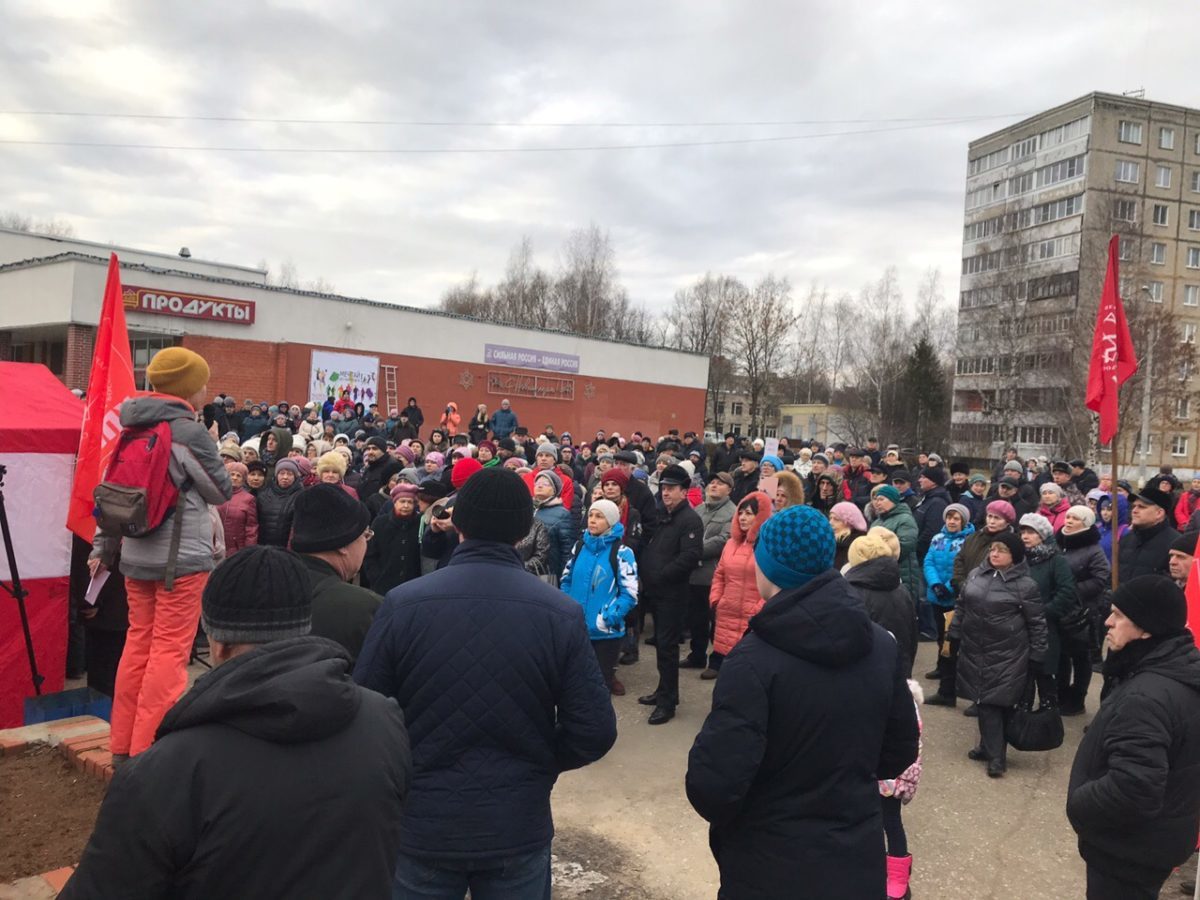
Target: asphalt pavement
626, 821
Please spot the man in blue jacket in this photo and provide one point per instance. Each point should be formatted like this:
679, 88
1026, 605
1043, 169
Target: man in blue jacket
503, 421
501, 692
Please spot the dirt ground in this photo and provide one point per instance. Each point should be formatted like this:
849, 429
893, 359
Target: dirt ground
47, 810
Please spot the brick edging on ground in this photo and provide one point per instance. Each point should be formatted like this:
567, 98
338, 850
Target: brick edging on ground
84, 741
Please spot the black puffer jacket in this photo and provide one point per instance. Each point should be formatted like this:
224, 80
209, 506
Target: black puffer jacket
928, 514
1134, 795
267, 762
794, 806
1089, 565
1144, 551
375, 475
888, 603
276, 508
1000, 624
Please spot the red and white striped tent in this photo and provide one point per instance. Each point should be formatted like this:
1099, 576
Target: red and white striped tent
40, 422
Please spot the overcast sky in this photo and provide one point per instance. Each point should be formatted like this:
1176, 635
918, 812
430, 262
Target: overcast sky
403, 227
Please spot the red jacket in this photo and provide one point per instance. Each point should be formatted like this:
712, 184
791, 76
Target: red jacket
734, 595
239, 517
1188, 503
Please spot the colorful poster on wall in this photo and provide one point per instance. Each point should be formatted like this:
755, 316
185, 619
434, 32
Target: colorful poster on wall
331, 373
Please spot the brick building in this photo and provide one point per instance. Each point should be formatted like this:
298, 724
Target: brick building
271, 343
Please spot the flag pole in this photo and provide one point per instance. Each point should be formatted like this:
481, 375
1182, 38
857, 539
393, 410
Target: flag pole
1116, 518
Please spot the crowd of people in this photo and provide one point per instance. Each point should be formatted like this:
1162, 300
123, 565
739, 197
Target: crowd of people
522, 570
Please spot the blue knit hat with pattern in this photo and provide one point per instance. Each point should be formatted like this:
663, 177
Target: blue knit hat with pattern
794, 546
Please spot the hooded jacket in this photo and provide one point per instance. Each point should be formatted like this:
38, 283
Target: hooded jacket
450, 420
939, 562
1000, 624
265, 764
239, 519
197, 470
717, 519
1106, 531
888, 603
557, 521
734, 596
1134, 794
283, 446
899, 521
606, 596
502, 693
810, 710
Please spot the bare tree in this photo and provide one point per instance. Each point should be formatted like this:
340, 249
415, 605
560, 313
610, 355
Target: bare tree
759, 335
698, 321
586, 289
468, 299
524, 295
53, 227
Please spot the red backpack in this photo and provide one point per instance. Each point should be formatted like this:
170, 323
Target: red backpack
137, 493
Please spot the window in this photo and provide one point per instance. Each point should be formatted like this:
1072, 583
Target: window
1155, 290
1021, 184
1191, 295
977, 231
984, 262
1183, 408
1025, 148
737, 409
983, 196
1068, 132
1062, 284
1166, 138
983, 163
1060, 171
1189, 333
1196, 182
1128, 171
1193, 258
1125, 210
1179, 445
1161, 216
1158, 254
1130, 133
143, 350
1198, 144
1194, 219
1125, 249
1162, 177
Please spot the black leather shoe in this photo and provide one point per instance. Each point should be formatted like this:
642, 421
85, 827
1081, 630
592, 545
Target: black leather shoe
651, 641
941, 700
688, 663
996, 769
977, 754
971, 712
661, 714
629, 657
933, 675
649, 699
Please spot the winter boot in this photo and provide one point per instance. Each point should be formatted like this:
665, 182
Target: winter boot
898, 870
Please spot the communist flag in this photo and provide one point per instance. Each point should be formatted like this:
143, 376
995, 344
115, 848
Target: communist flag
110, 384
1192, 592
1113, 360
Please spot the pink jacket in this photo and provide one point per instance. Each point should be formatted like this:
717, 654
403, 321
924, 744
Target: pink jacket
734, 595
239, 518
904, 786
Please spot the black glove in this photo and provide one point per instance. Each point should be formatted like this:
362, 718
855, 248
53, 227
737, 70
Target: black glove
940, 591
1038, 667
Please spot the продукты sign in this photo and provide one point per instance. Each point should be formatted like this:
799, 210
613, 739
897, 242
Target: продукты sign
527, 358
188, 306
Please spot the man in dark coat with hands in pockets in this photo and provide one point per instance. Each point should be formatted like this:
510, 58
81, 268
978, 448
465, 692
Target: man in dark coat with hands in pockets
811, 708
497, 679
1134, 795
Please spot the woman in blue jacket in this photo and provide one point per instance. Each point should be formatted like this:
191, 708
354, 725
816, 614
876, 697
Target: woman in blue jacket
605, 594
939, 567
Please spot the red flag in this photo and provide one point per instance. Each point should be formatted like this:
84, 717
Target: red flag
1113, 360
110, 384
1192, 592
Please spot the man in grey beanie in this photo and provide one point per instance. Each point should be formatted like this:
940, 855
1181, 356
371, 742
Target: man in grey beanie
274, 732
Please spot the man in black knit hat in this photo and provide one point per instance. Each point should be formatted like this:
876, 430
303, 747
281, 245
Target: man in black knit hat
271, 759
1134, 794
501, 691
330, 531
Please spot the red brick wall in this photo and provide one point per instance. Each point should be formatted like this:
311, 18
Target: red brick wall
81, 340
273, 372
242, 369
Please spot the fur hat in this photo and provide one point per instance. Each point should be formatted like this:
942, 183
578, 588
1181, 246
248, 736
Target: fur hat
331, 462
875, 544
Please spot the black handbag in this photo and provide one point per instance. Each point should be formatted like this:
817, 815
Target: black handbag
1030, 729
1076, 626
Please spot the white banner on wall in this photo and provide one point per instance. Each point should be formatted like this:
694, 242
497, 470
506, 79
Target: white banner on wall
331, 373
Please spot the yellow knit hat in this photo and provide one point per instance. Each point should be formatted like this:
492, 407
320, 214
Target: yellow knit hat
177, 371
876, 543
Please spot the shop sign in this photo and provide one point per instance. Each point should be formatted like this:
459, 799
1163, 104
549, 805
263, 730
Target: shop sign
189, 306
538, 387
526, 358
